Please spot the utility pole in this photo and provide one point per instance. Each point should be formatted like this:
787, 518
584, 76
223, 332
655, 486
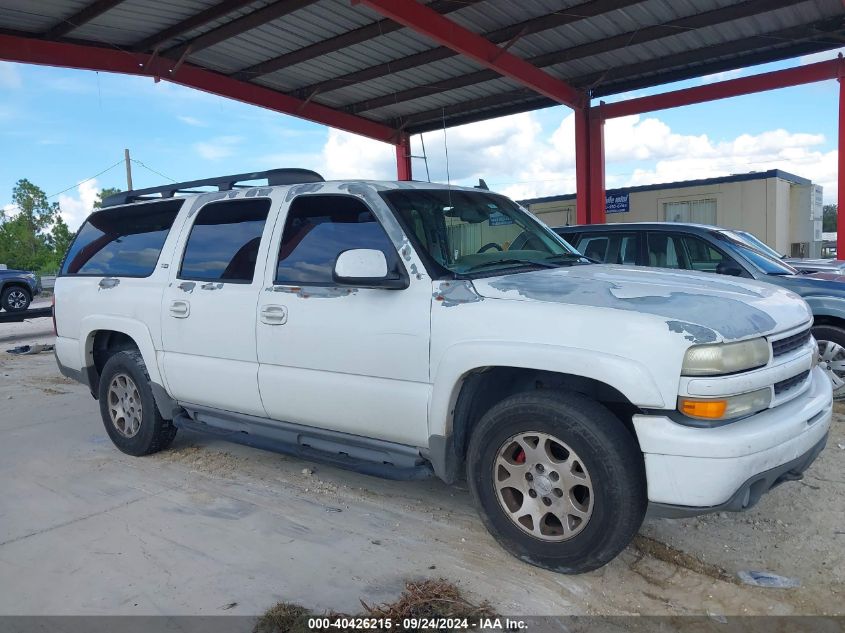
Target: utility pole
128, 170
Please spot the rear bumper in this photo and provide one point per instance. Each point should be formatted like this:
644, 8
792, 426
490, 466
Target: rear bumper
697, 470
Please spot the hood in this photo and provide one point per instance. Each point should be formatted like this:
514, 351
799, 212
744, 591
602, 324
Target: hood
703, 306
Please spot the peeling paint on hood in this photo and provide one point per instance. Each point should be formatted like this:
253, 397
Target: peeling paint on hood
699, 306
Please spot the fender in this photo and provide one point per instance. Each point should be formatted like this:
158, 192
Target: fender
826, 305
139, 333
630, 377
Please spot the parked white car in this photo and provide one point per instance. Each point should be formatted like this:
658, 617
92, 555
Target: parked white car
387, 327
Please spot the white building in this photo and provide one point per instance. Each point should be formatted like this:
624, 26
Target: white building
782, 209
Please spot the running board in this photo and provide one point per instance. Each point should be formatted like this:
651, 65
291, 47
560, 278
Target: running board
370, 457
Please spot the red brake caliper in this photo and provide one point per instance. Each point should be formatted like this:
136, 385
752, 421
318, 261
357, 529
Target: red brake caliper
519, 458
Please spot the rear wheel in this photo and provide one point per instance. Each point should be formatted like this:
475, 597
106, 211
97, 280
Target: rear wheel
831, 340
558, 479
15, 299
128, 407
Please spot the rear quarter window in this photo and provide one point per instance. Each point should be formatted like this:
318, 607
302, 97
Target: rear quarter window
121, 241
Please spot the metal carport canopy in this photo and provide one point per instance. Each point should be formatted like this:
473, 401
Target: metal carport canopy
390, 68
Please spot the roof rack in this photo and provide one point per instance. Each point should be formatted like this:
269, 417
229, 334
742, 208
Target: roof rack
287, 176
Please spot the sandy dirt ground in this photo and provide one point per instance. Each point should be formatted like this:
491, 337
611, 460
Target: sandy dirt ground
213, 528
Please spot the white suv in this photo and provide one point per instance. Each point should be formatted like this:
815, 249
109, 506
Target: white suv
391, 328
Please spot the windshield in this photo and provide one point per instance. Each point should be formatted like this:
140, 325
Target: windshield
765, 263
754, 242
468, 232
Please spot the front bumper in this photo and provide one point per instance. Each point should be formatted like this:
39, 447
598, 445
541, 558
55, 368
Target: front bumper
697, 470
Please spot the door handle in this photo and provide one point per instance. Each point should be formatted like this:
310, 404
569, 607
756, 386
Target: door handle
274, 315
180, 309
108, 282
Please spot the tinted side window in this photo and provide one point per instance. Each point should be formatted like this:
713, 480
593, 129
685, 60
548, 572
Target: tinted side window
121, 241
318, 229
665, 251
702, 256
610, 248
223, 244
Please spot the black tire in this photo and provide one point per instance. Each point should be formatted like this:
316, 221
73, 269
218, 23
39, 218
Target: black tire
155, 433
12, 295
835, 335
610, 455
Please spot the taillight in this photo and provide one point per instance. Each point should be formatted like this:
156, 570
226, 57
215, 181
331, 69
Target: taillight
53, 303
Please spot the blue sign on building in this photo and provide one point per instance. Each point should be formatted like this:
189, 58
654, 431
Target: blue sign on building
617, 203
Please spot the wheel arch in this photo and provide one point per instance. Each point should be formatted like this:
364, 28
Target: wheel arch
463, 393
104, 337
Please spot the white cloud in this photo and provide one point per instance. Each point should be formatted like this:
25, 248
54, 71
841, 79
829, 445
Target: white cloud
723, 76
218, 147
74, 208
517, 158
821, 57
10, 78
192, 121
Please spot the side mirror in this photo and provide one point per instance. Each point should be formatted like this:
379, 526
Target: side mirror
366, 268
729, 268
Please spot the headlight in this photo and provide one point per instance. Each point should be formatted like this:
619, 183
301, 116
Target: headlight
725, 408
725, 358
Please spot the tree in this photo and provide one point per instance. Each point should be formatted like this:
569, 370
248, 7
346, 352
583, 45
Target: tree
829, 218
61, 237
25, 231
105, 193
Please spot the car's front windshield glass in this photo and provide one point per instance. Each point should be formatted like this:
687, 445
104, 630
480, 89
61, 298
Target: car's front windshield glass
766, 264
477, 232
754, 242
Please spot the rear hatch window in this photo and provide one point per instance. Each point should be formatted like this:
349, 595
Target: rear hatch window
121, 241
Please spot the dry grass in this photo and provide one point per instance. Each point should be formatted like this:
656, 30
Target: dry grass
423, 599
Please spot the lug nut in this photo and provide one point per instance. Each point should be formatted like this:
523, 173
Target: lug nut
558, 492
554, 476
532, 493
529, 476
540, 468
547, 501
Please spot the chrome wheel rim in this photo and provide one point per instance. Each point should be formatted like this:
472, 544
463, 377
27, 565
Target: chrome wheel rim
16, 299
124, 403
543, 486
832, 361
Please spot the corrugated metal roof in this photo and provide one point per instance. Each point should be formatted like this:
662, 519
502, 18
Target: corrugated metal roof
409, 78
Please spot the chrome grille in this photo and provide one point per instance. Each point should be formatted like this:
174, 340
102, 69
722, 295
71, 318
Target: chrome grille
790, 343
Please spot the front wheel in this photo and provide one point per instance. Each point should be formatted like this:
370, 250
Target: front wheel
558, 479
15, 299
831, 340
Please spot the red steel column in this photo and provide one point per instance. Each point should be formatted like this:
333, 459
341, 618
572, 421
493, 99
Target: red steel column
582, 165
840, 196
403, 157
597, 195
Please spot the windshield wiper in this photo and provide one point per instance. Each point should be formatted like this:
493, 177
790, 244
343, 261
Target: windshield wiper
512, 261
572, 257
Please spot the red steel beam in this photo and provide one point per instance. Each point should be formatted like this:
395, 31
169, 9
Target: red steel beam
403, 158
725, 89
582, 165
33, 51
597, 191
840, 198
444, 31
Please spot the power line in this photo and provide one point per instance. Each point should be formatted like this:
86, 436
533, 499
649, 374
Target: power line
86, 180
158, 173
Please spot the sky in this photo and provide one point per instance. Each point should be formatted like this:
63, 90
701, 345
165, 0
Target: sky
65, 130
